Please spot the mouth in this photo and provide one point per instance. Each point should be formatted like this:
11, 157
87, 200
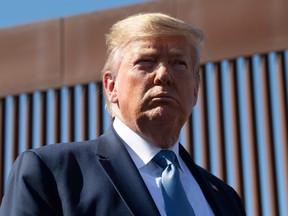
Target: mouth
163, 97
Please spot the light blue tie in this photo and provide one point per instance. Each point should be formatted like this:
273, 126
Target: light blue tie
176, 202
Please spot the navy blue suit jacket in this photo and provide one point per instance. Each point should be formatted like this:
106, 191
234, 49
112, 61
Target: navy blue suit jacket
96, 177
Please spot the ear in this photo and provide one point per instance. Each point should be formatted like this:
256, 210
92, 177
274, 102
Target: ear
109, 86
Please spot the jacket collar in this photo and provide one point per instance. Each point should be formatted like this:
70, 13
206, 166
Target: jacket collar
208, 188
124, 175
127, 180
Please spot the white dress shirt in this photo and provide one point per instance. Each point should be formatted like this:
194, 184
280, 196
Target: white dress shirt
142, 153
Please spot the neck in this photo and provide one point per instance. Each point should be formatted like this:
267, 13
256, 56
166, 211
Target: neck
163, 136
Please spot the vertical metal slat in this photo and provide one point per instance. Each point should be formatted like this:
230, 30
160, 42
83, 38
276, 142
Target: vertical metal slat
204, 145
50, 117
78, 110
261, 143
197, 126
8, 136
64, 113
2, 156
210, 75
22, 123
277, 136
196, 122
92, 111
245, 149
36, 120
229, 150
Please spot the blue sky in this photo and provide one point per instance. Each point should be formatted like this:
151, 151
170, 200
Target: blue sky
18, 12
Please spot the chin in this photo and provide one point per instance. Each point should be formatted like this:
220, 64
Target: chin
161, 114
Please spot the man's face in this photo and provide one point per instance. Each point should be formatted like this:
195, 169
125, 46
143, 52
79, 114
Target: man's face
156, 82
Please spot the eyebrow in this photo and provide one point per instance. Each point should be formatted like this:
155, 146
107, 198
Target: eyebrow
144, 51
176, 52
154, 50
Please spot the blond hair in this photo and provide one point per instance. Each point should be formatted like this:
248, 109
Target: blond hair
147, 25
151, 24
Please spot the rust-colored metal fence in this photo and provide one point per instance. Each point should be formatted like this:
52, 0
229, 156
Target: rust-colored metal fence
238, 129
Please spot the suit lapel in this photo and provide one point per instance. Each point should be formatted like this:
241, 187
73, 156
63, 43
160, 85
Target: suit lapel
207, 187
124, 175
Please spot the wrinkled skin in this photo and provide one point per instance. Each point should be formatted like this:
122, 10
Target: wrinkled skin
155, 88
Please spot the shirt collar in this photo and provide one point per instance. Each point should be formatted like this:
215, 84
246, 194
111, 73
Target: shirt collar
136, 145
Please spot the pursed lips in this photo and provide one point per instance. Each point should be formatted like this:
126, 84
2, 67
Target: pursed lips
163, 96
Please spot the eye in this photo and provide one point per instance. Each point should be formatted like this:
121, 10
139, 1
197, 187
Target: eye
179, 64
145, 63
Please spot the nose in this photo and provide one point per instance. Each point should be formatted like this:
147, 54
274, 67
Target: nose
162, 75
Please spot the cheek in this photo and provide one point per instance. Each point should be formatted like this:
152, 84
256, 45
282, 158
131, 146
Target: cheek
185, 81
137, 83
130, 91
186, 89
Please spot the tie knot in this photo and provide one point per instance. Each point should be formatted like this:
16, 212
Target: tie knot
164, 158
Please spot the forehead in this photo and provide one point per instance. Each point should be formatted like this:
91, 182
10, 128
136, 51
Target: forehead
173, 45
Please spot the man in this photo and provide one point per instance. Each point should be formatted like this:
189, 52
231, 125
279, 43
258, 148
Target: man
151, 82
